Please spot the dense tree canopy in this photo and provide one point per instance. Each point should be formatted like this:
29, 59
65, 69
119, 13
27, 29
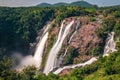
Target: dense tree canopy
19, 26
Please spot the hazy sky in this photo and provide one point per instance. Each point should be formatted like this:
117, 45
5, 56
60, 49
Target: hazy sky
14, 3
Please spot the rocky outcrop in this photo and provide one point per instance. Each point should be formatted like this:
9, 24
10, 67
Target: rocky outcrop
81, 36
86, 37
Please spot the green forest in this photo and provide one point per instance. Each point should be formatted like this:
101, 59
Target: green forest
19, 27
22, 24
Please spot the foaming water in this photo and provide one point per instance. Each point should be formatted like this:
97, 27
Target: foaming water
110, 44
39, 51
61, 58
52, 58
74, 66
109, 47
35, 60
77, 26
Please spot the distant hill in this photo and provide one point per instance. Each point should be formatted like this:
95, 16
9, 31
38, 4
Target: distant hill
82, 3
77, 3
60, 4
44, 5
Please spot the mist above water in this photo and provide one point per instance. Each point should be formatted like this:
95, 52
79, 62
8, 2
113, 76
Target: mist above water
22, 61
30, 60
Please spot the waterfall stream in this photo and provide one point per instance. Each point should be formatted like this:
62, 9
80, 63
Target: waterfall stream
109, 47
52, 61
61, 58
74, 66
35, 60
110, 44
40, 47
52, 58
77, 26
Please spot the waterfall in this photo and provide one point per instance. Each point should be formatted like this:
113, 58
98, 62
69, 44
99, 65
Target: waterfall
57, 71
40, 46
65, 52
110, 44
40, 49
51, 61
35, 60
109, 47
61, 58
77, 65
77, 26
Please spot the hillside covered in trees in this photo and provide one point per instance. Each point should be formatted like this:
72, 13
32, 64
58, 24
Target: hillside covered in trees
77, 3
20, 26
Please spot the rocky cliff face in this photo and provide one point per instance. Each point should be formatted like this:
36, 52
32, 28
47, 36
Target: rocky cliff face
84, 40
71, 42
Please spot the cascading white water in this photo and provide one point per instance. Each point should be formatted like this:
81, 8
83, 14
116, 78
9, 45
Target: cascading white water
65, 52
40, 47
110, 44
51, 61
37, 58
74, 66
109, 47
77, 65
77, 26
61, 58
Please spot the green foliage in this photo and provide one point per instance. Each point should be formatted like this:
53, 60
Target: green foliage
117, 14
97, 50
71, 54
65, 12
111, 22
91, 11
108, 66
91, 19
40, 76
117, 29
5, 72
28, 73
78, 73
19, 26
52, 76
